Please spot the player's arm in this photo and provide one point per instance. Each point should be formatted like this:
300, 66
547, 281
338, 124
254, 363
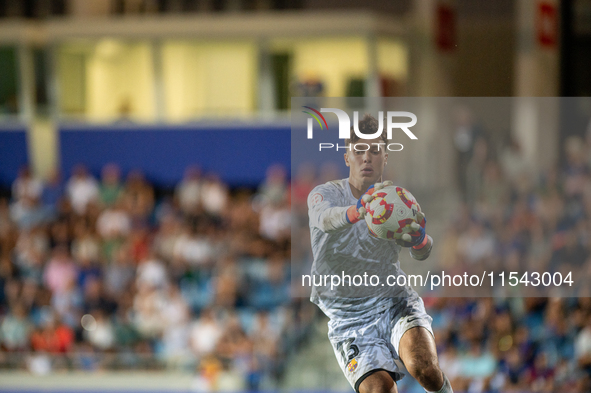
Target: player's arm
419, 242
323, 212
423, 250
330, 218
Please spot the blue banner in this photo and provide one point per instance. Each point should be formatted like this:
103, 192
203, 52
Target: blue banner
240, 155
13, 152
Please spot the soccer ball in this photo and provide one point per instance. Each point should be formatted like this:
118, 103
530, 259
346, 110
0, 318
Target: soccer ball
391, 212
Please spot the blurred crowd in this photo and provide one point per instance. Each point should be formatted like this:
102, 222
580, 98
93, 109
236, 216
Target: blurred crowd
107, 273
516, 217
519, 218
513, 344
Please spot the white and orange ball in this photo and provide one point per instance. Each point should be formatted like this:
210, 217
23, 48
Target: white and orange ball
391, 213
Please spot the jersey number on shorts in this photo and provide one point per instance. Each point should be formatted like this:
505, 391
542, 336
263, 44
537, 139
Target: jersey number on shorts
348, 350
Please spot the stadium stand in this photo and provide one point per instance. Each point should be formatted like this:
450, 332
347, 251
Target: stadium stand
87, 266
101, 274
514, 218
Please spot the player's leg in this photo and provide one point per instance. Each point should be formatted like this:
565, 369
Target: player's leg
378, 382
418, 353
367, 363
412, 339
364, 353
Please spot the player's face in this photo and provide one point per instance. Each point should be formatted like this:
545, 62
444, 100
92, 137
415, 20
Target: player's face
367, 164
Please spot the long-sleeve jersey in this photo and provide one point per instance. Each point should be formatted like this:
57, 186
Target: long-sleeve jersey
343, 249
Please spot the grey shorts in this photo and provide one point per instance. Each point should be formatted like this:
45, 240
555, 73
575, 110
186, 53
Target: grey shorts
365, 345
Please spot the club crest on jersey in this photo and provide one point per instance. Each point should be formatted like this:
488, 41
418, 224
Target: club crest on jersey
352, 366
316, 198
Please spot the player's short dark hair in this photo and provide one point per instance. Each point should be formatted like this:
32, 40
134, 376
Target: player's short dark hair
367, 125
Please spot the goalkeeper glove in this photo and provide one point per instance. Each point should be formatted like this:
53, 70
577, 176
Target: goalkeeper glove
419, 242
417, 236
357, 212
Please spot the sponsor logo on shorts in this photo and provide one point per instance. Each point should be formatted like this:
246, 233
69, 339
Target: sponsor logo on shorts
352, 366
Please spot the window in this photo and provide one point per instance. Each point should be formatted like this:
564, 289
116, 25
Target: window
107, 80
209, 79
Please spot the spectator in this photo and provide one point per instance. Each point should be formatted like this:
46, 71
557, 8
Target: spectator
82, 189
303, 184
475, 171
52, 192
119, 273
495, 190
95, 298
189, 190
147, 309
274, 188
583, 347
275, 221
15, 329
271, 290
541, 375
102, 333
110, 189
576, 168
467, 132
168, 235
514, 163
151, 273
477, 365
6, 225
26, 186
477, 244
138, 242
114, 222
60, 271
205, 333
27, 212
30, 252
193, 247
214, 196
139, 197
86, 245
175, 335
265, 338
68, 304
53, 337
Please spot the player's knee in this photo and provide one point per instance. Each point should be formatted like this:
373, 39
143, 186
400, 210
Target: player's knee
383, 388
379, 382
427, 373
432, 378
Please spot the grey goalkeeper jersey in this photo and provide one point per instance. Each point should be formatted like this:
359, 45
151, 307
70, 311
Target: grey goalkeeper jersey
348, 250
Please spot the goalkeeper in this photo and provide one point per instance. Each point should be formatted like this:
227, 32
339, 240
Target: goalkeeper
377, 333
